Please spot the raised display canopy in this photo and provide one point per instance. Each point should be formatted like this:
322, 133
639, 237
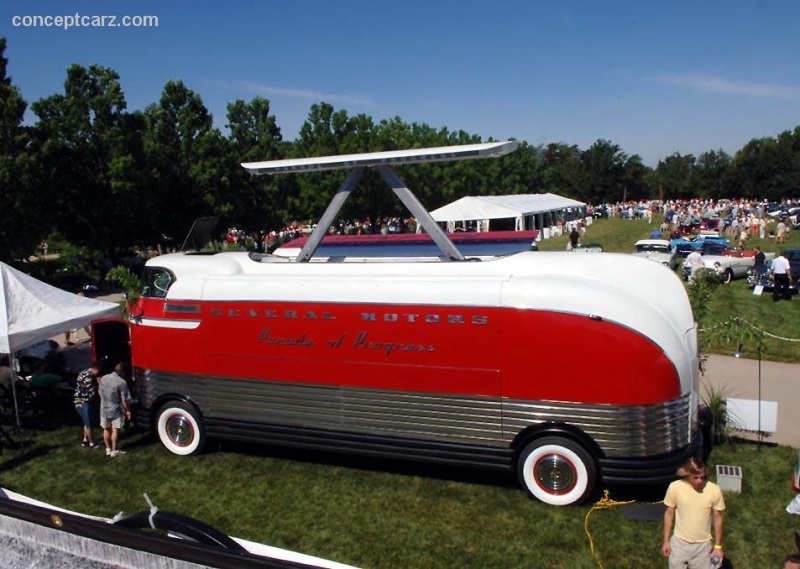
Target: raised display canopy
412, 156
382, 162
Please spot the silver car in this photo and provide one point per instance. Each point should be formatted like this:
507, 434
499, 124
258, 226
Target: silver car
657, 250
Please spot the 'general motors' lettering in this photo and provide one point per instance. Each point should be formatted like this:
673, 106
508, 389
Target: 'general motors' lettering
475, 319
272, 314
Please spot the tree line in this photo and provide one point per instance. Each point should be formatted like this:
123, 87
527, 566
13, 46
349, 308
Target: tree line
107, 178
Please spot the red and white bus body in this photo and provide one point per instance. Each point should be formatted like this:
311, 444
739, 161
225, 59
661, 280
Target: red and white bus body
462, 363
572, 370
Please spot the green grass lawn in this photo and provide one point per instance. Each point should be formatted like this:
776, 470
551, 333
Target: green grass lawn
378, 514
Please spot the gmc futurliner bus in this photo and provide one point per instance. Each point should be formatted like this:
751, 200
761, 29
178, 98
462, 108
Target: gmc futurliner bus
572, 370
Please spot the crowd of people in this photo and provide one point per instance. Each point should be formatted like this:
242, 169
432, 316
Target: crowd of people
753, 218
264, 241
739, 220
103, 399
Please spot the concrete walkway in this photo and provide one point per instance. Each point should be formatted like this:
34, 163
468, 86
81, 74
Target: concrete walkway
738, 378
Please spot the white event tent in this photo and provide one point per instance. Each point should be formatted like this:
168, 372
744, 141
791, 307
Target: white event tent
529, 211
32, 311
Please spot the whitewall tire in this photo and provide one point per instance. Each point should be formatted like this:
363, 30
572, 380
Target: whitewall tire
179, 429
556, 471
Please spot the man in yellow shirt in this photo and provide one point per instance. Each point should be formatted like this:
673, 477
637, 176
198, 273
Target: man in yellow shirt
694, 504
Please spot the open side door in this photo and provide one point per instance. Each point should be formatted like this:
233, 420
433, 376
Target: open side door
111, 344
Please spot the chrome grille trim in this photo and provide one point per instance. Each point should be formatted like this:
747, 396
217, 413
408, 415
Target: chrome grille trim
635, 431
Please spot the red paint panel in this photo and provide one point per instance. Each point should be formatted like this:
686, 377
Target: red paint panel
563, 357
519, 354
414, 348
163, 348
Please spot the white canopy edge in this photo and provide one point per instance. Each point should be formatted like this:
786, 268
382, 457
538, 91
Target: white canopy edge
32, 311
411, 156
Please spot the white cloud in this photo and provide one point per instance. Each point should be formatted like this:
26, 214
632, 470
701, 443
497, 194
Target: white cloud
304, 94
712, 84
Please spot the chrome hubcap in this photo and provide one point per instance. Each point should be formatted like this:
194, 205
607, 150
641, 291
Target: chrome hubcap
554, 474
179, 430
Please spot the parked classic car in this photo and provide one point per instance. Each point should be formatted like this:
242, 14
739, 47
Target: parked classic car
657, 250
682, 246
731, 267
729, 264
763, 276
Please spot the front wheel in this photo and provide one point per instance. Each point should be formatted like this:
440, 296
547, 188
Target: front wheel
556, 471
180, 429
727, 276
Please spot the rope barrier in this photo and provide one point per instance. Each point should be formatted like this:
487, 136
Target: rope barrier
603, 503
735, 321
768, 334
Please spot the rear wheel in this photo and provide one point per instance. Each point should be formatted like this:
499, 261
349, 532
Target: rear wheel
727, 276
180, 429
557, 471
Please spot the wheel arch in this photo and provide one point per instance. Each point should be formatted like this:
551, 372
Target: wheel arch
564, 430
165, 399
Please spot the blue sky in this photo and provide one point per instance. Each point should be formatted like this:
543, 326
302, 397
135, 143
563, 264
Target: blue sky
655, 78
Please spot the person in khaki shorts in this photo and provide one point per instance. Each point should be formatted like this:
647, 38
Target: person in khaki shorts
114, 407
694, 504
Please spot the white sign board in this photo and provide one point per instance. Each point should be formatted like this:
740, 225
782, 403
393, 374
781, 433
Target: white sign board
743, 415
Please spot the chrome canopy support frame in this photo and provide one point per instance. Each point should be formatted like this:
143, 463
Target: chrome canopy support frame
327, 219
407, 197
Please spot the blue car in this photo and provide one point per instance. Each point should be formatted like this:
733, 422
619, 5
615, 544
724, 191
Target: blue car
706, 244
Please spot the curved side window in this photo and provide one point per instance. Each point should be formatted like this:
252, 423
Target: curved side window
156, 282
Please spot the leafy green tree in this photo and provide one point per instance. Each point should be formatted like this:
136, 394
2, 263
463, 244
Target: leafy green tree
328, 132
20, 232
637, 180
563, 172
604, 171
676, 176
188, 172
321, 134
712, 172
256, 202
91, 159
768, 167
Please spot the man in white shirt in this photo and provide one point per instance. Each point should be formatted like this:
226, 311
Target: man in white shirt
782, 274
695, 262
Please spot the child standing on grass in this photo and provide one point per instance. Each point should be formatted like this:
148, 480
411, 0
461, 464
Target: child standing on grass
694, 504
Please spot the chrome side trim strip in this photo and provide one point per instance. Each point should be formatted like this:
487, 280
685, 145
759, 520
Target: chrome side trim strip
181, 308
629, 431
165, 323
